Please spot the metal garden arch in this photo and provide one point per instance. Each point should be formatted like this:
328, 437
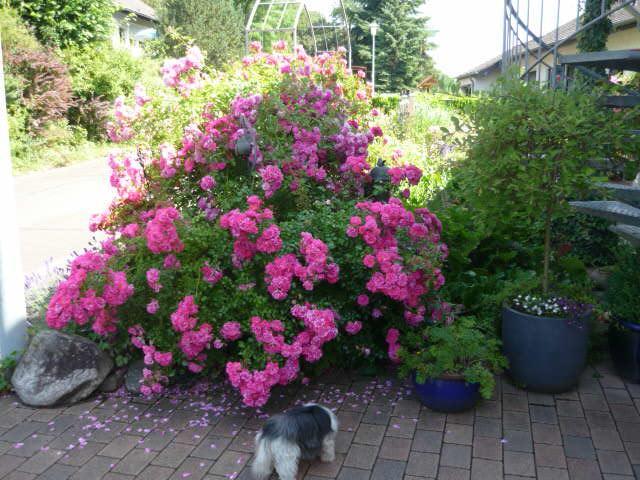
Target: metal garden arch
318, 25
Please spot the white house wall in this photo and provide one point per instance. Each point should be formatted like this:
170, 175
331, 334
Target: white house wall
131, 25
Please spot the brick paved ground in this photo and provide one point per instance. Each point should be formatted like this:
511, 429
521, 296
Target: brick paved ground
590, 433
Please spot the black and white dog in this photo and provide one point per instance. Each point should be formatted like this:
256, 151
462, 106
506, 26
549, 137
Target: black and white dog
300, 433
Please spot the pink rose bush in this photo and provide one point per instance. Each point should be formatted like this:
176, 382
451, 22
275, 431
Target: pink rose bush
242, 239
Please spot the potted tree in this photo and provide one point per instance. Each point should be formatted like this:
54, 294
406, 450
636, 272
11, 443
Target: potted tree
528, 155
451, 366
622, 297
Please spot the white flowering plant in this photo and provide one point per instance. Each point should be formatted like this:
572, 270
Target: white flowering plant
549, 306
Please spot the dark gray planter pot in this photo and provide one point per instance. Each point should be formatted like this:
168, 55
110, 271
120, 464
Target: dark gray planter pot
545, 354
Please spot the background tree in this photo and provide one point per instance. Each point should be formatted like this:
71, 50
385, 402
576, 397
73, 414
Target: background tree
402, 43
216, 26
594, 38
65, 23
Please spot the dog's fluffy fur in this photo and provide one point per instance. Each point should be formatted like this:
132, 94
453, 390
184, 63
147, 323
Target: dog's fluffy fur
300, 433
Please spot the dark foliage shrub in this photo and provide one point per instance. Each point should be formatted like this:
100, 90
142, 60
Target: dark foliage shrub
46, 93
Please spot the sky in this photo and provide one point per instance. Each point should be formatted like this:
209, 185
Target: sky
469, 32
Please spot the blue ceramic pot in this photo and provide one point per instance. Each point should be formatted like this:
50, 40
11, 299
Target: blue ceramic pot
545, 354
448, 395
624, 344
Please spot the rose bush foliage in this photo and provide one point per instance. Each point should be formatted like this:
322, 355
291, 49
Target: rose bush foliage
268, 264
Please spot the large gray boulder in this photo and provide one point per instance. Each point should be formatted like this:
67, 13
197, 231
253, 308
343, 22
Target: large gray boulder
58, 368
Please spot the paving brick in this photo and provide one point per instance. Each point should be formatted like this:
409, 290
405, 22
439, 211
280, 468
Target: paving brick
482, 469
488, 427
211, 448
197, 468
155, 472
135, 461
408, 408
40, 462
17, 475
427, 441
451, 473
388, 469
600, 419
58, 472
517, 402
361, 456
116, 476
173, 455
430, 420
369, 434
120, 446
489, 409
343, 441
515, 421
460, 434
550, 456
567, 408
614, 462
401, 427
487, 448
546, 433
377, 415
194, 435
396, 448
422, 464
348, 473
326, 469
9, 463
517, 441
348, 420
462, 418
21, 431
544, 399
229, 426
579, 447
574, 426
633, 450
547, 473
629, 432
606, 439
618, 395
30, 445
81, 454
543, 414
583, 469
94, 468
592, 401
625, 413
519, 463
244, 441
455, 456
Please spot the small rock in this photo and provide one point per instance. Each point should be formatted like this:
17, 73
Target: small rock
113, 381
58, 368
133, 377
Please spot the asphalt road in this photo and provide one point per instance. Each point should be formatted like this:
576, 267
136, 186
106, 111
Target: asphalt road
54, 207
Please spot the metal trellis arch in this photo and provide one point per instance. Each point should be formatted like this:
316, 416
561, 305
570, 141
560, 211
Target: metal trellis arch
318, 25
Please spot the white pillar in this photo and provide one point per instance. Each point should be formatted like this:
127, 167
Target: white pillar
12, 304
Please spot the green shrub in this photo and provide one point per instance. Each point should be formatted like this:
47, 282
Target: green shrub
529, 153
388, 103
102, 71
216, 26
7, 366
99, 74
459, 349
15, 34
623, 291
65, 23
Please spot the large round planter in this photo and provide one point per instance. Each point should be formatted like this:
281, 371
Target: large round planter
448, 395
624, 344
545, 354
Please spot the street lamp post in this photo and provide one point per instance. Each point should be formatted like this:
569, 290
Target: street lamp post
374, 31
12, 304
